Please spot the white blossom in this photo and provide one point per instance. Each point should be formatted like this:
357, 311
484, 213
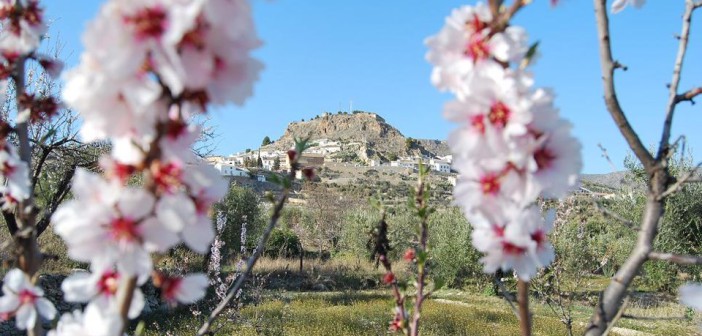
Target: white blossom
93, 322
23, 300
619, 5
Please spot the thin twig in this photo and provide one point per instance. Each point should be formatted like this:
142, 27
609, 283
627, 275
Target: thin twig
423, 210
612, 297
617, 317
627, 223
675, 81
500, 22
507, 296
647, 318
277, 211
688, 95
124, 300
610, 94
678, 185
606, 156
524, 313
676, 258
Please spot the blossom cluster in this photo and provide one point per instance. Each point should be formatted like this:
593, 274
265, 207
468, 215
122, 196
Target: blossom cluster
149, 67
511, 146
23, 26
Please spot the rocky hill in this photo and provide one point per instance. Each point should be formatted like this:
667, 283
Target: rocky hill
362, 135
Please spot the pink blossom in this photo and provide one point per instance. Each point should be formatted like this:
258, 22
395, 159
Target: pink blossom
23, 26
100, 289
515, 239
510, 146
16, 172
23, 300
186, 290
619, 5
465, 47
119, 228
94, 322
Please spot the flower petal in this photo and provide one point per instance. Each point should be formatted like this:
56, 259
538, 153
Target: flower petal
26, 317
46, 308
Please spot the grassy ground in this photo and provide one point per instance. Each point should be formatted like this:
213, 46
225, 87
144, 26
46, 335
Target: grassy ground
449, 313
332, 298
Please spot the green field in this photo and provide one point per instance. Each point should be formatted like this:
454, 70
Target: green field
449, 313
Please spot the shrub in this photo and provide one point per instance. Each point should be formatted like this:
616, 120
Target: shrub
240, 207
453, 257
283, 243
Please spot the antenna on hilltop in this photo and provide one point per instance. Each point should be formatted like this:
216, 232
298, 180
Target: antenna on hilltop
350, 106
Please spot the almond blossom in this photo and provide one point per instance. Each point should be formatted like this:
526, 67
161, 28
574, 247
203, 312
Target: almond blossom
522, 247
114, 225
16, 174
466, 47
619, 5
100, 289
23, 300
22, 27
94, 321
510, 147
148, 69
186, 289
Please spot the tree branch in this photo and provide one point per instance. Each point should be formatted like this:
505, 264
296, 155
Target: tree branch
506, 295
501, 22
678, 185
523, 302
663, 147
57, 197
617, 317
421, 198
608, 66
676, 258
688, 95
611, 299
609, 213
124, 300
10, 222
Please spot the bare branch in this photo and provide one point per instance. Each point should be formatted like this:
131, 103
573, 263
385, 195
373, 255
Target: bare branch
506, 295
647, 318
124, 299
617, 317
608, 66
613, 296
57, 197
421, 198
495, 6
501, 21
676, 258
675, 82
606, 156
609, 213
524, 313
688, 95
675, 187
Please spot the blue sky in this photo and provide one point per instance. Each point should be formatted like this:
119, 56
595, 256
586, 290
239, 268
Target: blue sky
320, 55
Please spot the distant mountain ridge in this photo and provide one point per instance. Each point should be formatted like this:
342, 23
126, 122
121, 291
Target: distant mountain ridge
362, 135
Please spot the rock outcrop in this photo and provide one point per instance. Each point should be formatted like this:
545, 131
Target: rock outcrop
364, 135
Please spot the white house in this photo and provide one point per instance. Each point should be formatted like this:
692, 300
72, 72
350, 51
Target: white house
405, 163
440, 166
229, 169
